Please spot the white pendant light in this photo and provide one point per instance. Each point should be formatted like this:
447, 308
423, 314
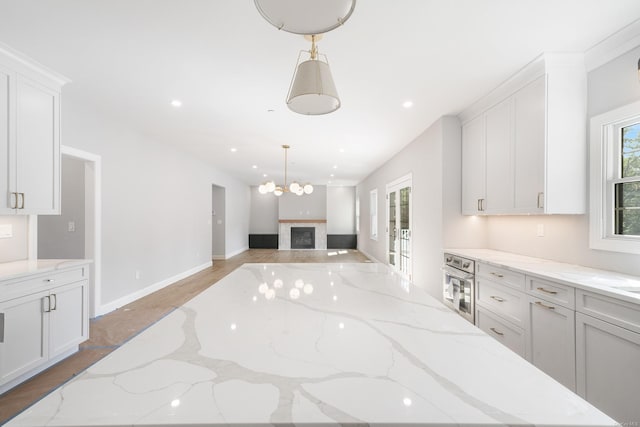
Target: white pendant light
306, 16
312, 90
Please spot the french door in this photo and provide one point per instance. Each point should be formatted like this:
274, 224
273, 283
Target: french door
399, 225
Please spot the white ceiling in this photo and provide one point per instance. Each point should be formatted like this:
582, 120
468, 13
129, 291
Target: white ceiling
229, 67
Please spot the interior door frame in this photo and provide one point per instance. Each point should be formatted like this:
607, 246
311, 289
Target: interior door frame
395, 185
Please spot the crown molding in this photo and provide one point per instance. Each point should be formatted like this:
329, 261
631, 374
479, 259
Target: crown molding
618, 43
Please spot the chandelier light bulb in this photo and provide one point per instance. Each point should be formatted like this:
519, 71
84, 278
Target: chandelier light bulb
294, 187
299, 191
278, 191
294, 293
270, 186
262, 189
308, 188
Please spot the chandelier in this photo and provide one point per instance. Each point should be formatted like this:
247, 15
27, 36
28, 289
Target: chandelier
279, 190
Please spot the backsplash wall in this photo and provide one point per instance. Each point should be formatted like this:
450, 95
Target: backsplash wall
16, 247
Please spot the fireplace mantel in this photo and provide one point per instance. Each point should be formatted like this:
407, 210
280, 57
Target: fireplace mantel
303, 221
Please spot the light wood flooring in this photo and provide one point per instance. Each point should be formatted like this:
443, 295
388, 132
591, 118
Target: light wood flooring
110, 331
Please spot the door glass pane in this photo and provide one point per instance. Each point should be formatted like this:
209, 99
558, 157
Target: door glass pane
405, 231
392, 228
627, 208
630, 157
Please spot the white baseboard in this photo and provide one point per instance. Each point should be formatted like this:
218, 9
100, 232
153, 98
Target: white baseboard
234, 253
113, 305
371, 257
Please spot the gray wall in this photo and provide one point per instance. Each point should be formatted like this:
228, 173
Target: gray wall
55, 241
264, 213
567, 237
156, 201
308, 206
433, 158
341, 210
218, 221
15, 248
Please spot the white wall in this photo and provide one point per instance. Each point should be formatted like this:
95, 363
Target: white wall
264, 213
218, 218
308, 206
567, 237
55, 241
341, 210
433, 159
156, 202
15, 248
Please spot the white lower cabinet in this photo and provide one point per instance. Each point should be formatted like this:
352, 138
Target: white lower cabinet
508, 334
608, 356
551, 340
44, 326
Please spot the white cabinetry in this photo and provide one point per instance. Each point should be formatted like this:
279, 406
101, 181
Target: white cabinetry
42, 320
29, 135
607, 355
534, 141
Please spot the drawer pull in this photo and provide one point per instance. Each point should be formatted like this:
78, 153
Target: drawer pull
547, 291
496, 331
550, 307
497, 274
1, 327
493, 297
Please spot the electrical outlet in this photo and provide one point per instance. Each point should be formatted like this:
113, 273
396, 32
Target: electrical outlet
6, 231
540, 230
71, 226
137, 274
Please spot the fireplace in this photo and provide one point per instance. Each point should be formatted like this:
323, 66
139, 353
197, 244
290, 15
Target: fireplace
286, 235
303, 237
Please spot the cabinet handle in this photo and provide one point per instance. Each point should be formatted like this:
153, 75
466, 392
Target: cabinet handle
497, 274
541, 200
14, 200
496, 298
479, 205
1, 328
496, 331
550, 307
48, 299
55, 302
21, 204
547, 291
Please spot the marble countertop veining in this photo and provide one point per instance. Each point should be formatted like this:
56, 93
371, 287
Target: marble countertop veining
610, 283
17, 269
312, 344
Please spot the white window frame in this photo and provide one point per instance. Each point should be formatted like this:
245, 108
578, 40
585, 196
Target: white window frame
604, 172
373, 214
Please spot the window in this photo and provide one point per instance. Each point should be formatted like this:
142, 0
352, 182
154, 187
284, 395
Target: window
615, 180
373, 214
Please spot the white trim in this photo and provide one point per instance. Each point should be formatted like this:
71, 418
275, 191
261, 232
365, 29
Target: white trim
374, 219
94, 247
601, 167
371, 257
234, 253
617, 44
128, 299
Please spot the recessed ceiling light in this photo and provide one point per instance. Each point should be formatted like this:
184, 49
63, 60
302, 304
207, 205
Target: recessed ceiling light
331, 175
233, 150
176, 103
255, 166
407, 104
342, 150
335, 166
264, 175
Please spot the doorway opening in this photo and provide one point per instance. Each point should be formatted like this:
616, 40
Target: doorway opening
399, 244
76, 232
218, 220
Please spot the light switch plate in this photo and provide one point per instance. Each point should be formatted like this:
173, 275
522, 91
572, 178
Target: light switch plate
6, 231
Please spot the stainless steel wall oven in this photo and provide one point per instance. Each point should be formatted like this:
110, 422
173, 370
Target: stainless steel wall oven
458, 285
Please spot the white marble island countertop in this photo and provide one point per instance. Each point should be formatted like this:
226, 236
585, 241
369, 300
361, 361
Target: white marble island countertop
312, 344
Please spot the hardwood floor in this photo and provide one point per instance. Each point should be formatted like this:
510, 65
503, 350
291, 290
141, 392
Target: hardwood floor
110, 331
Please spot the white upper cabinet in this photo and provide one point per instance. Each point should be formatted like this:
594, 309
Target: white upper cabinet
473, 159
29, 135
534, 140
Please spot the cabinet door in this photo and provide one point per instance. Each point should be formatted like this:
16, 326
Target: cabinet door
608, 372
473, 166
7, 144
24, 335
499, 163
506, 333
68, 324
551, 340
529, 127
38, 147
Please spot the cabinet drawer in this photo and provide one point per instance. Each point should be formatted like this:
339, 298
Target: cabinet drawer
612, 310
507, 302
551, 291
45, 281
501, 275
510, 336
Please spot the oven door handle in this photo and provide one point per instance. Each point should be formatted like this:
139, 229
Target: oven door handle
454, 272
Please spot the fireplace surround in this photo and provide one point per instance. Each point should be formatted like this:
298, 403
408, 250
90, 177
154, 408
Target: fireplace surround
319, 227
